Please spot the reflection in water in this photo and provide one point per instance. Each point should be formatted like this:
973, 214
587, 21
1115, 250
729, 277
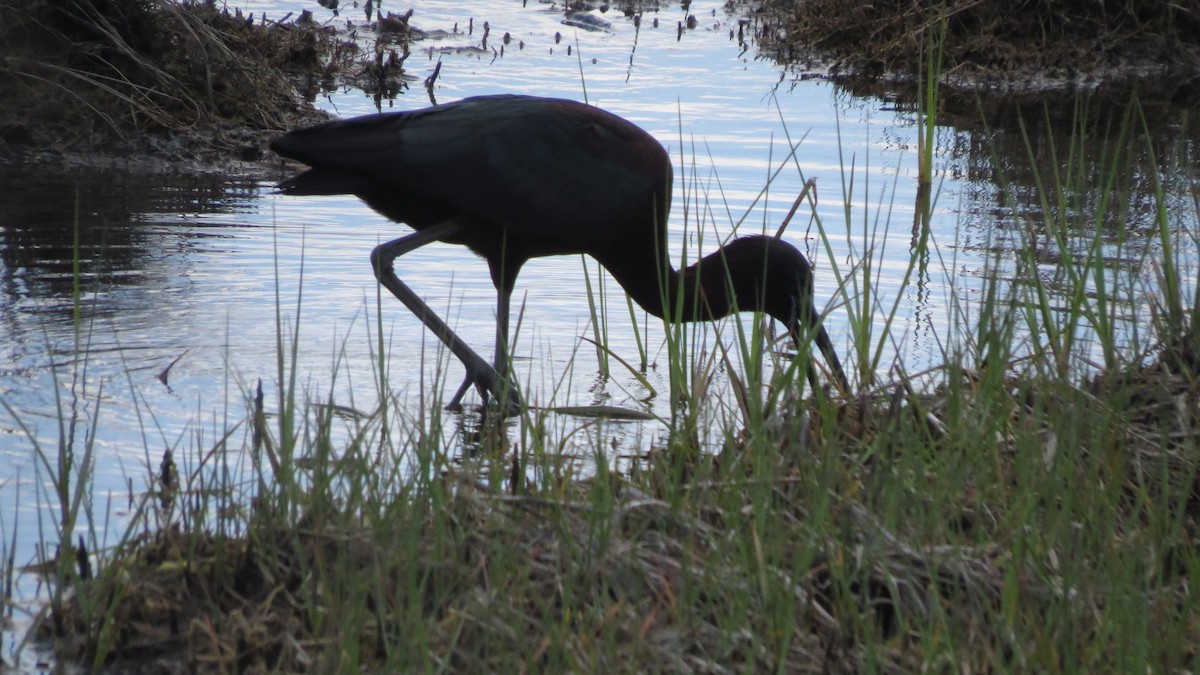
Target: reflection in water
103, 221
94, 266
1077, 180
1080, 162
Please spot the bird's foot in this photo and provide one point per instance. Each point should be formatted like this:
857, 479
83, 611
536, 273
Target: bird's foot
455, 403
486, 383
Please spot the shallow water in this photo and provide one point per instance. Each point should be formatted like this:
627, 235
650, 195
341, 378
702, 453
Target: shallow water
194, 270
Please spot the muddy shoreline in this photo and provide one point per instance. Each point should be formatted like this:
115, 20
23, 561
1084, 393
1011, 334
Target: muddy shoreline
993, 48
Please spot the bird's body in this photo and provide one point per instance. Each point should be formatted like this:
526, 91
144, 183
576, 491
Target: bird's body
516, 177
500, 166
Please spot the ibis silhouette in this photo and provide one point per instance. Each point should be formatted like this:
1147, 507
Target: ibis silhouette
518, 177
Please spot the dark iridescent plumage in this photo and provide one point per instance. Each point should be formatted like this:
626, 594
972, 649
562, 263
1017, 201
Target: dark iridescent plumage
518, 177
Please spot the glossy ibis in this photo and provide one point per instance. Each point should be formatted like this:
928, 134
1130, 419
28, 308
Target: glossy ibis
517, 177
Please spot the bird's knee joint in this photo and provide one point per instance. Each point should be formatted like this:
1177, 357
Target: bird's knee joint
381, 262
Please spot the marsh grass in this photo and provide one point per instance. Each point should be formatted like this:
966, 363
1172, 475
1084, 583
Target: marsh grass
1023, 508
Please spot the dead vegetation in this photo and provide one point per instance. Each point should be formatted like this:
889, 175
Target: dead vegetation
137, 77
997, 44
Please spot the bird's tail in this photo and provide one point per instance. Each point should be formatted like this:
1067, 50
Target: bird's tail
321, 182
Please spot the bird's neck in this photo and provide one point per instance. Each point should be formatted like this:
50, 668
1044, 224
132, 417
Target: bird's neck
699, 292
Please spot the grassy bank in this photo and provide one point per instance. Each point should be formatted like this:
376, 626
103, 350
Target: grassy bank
1005, 522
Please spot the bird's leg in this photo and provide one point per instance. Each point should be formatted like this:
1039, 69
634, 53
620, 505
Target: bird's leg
500, 358
456, 401
479, 372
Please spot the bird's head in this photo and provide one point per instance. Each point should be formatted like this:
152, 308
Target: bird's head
766, 274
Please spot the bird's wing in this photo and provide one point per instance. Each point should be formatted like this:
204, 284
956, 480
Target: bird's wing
536, 165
